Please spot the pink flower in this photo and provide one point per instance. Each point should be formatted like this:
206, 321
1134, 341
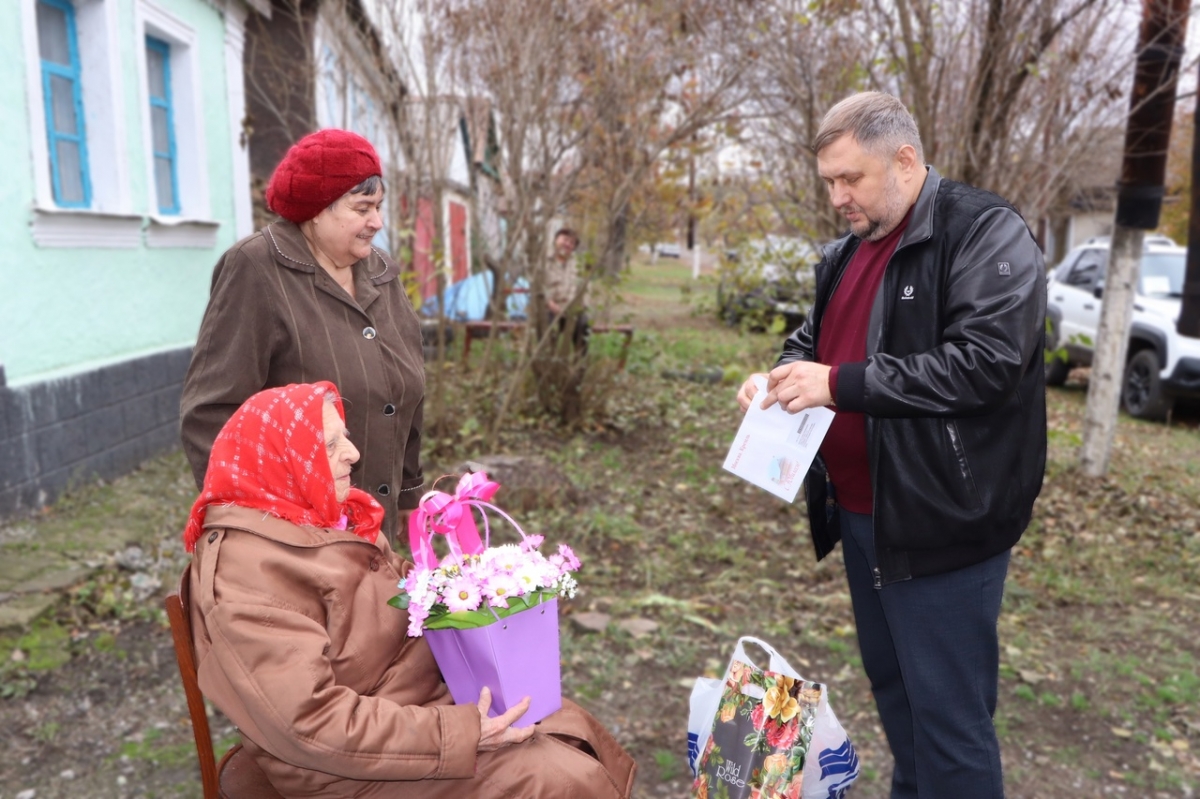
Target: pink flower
416, 618
568, 555
498, 588
532, 542
782, 736
462, 593
756, 716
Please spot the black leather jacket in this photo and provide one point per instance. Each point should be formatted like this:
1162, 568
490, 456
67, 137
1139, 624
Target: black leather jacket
953, 386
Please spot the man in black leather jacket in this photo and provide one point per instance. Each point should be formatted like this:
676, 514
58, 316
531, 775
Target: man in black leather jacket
926, 337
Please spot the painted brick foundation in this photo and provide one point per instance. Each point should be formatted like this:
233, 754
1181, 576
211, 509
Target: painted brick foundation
98, 424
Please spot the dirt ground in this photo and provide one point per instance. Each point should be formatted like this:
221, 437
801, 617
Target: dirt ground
1100, 693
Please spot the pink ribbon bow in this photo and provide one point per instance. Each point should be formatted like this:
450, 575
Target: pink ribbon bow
450, 516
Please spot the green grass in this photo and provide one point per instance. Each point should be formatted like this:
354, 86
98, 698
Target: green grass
664, 280
151, 750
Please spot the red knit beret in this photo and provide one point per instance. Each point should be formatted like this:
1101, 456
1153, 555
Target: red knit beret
317, 170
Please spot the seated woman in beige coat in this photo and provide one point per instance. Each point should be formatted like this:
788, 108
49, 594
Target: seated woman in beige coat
297, 645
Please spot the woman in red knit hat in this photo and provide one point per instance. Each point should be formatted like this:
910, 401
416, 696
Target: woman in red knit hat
309, 298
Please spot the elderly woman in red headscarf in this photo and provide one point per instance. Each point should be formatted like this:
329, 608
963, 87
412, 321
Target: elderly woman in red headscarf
310, 298
297, 645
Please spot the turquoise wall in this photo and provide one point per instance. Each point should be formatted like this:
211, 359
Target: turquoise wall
66, 310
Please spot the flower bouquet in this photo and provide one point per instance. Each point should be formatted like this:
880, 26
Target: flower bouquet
490, 613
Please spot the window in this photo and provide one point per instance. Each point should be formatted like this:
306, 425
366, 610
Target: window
1088, 270
162, 124
76, 115
173, 128
1162, 273
62, 93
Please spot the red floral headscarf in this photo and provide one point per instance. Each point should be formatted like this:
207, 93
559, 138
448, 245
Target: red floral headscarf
271, 456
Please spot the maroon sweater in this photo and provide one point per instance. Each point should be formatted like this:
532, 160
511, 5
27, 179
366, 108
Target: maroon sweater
843, 339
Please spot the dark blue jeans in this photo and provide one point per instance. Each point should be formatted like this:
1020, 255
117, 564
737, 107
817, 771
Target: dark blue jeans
932, 654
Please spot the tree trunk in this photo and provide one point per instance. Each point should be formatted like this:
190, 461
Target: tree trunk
612, 260
1189, 311
1139, 199
1112, 343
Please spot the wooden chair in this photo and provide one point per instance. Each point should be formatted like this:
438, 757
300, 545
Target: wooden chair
237, 776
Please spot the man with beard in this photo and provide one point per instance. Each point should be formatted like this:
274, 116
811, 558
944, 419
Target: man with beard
564, 291
926, 337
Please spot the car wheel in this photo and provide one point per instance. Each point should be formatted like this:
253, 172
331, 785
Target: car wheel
1141, 389
1057, 369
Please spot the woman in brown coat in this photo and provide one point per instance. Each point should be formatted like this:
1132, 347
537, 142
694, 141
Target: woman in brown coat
308, 298
297, 646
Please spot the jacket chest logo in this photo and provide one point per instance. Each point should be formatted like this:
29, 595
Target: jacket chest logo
909, 293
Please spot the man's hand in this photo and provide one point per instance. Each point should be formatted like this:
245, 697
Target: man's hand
798, 385
747, 391
498, 732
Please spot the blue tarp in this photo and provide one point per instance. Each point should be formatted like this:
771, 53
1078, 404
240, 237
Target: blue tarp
466, 300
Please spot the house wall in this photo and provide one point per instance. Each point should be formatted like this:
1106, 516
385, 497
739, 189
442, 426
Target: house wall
491, 228
1062, 234
457, 245
97, 423
1085, 226
101, 305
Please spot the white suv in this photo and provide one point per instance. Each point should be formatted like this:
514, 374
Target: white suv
1162, 365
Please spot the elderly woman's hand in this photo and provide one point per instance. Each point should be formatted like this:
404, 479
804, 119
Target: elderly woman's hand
497, 732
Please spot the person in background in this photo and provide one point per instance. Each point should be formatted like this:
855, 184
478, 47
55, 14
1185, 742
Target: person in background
564, 290
297, 645
926, 337
310, 298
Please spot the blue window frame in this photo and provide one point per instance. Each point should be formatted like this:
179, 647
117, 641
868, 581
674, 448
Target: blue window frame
66, 137
162, 125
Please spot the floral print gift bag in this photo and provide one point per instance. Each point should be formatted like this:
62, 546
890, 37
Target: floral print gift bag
774, 736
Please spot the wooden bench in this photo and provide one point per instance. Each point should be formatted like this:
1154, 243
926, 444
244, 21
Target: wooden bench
484, 328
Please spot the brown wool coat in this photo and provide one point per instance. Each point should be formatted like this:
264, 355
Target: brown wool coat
297, 646
275, 317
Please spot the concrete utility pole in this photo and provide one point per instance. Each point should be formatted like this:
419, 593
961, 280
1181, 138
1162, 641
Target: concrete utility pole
1139, 201
1189, 313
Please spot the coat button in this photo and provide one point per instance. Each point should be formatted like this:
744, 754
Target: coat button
389, 410
368, 333
212, 537
384, 490
374, 564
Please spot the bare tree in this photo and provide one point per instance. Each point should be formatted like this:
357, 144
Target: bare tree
521, 57
589, 95
1008, 94
654, 77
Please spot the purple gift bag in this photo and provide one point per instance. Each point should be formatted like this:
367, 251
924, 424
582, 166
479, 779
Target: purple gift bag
515, 657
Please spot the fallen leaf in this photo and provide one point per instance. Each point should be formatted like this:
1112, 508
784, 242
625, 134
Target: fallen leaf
638, 628
1030, 676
